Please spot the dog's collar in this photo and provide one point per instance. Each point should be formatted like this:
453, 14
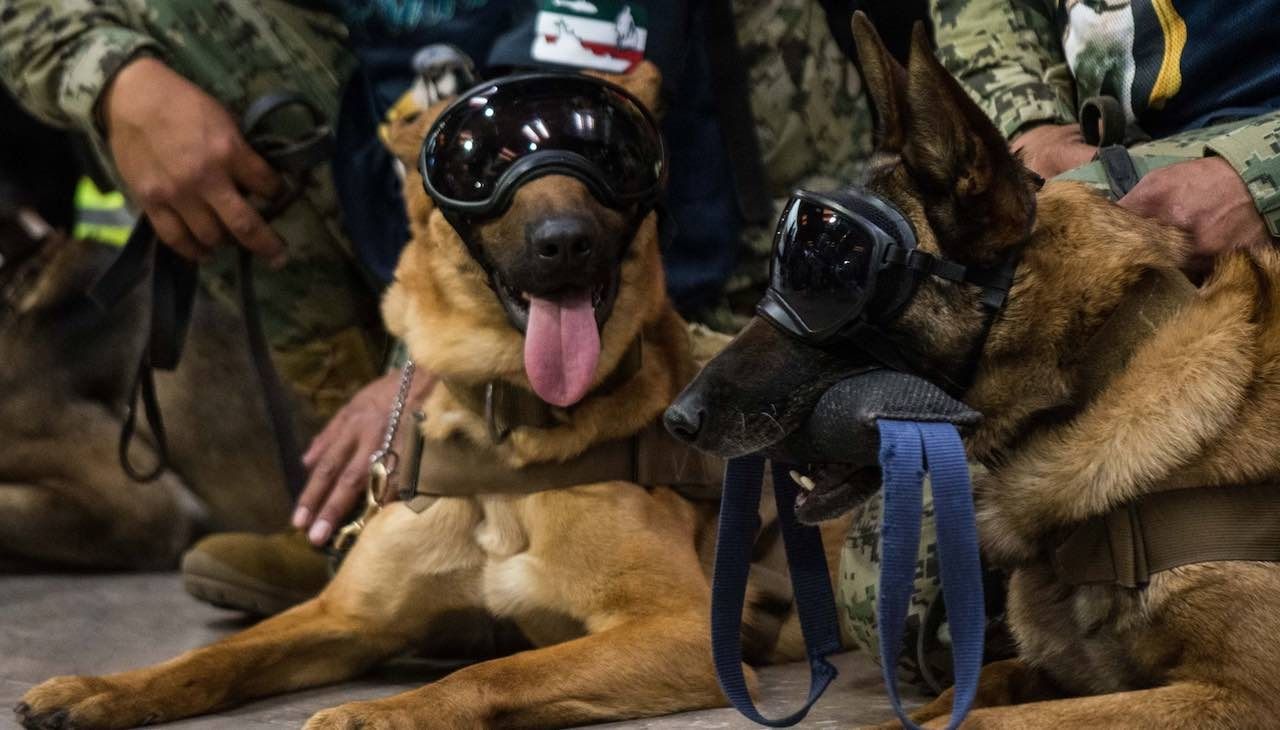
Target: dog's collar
506, 407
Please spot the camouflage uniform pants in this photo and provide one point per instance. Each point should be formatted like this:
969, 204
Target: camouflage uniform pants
320, 312
812, 121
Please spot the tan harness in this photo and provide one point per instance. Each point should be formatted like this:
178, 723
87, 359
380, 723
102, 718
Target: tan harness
456, 467
1176, 526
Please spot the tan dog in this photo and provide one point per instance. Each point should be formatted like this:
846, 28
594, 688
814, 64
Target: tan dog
608, 580
1195, 405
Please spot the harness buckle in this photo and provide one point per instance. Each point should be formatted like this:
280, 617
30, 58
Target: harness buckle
921, 261
497, 433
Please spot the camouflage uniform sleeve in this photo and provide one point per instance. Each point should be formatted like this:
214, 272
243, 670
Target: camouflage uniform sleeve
1253, 149
1008, 55
58, 57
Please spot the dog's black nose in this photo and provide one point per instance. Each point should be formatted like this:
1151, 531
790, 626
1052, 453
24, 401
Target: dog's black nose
684, 420
561, 240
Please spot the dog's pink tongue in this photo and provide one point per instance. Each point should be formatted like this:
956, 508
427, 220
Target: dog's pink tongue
561, 349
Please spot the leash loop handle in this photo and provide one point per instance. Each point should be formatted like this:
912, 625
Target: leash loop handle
174, 284
904, 448
907, 450
815, 604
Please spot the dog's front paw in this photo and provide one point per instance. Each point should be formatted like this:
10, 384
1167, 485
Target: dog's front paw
353, 715
64, 703
1008, 521
388, 714
1004, 539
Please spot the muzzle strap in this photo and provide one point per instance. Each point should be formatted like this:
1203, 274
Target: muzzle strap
815, 604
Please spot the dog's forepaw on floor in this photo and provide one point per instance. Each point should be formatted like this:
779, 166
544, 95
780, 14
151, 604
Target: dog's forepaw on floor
76, 703
362, 716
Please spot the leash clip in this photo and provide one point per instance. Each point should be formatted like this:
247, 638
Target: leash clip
374, 490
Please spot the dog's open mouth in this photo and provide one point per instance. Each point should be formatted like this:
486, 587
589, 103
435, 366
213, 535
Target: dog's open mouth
561, 335
829, 490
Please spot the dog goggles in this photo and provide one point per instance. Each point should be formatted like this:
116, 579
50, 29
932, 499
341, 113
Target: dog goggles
845, 262
506, 132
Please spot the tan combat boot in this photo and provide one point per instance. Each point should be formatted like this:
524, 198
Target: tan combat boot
258, 574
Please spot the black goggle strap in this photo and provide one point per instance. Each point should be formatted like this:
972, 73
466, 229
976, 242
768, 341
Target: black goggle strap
995, 280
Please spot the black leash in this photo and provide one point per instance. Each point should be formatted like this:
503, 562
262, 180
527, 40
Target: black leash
173, 290
1103, 124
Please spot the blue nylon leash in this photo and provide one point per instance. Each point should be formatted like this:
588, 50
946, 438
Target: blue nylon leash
904, 446
815, 604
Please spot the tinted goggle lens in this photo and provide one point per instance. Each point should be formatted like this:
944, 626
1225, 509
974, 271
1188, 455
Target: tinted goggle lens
484, 134
823, 265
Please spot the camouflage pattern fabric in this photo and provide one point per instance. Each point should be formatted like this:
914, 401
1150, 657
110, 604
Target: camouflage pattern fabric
812, 121
1237, 142
925, 659
1009, 56
320, 311
925, 656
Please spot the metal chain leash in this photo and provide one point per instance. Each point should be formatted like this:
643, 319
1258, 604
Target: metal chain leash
386, 455
382, 463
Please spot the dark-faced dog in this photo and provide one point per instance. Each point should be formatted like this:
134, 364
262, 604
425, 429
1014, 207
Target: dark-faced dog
1194, 405
66, 372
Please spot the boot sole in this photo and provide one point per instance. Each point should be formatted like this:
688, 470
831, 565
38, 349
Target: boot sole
213, 582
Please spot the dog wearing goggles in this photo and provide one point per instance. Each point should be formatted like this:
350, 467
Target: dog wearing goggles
1067, 441
540, 274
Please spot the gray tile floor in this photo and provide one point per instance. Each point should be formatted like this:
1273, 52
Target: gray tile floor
77, 624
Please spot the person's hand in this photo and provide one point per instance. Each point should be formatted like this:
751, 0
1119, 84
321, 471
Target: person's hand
1051, 149
1206, 198
183, 158
338, 458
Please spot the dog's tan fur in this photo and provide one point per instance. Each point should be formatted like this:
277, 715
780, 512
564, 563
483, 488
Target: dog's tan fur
609, 580
1196, 404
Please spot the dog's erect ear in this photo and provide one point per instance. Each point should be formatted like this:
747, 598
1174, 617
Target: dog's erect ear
644, 82
885, 80
978, 196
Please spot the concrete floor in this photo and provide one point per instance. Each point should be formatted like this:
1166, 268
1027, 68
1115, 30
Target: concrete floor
77, 624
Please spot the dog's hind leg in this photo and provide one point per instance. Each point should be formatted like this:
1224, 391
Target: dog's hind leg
1180, 706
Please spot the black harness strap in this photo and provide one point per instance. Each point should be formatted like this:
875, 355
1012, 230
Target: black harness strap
173, 291
1122, 174
1103, 123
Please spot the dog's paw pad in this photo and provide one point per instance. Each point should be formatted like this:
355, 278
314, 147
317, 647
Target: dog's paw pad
53, 720
361, 716
64, 703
